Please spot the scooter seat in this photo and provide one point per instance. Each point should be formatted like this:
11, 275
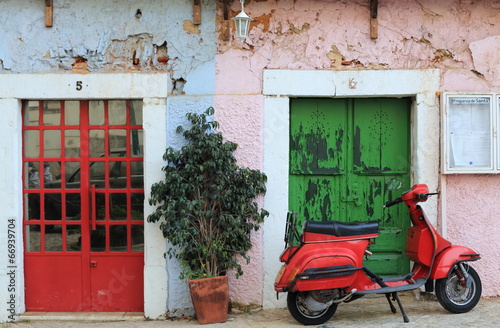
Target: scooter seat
341, 229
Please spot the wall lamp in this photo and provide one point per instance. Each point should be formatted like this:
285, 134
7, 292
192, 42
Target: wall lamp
242, 22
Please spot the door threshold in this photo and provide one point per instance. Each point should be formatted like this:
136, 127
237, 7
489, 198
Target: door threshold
82, 316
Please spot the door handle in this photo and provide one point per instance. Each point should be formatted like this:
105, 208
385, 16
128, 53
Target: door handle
93, 214
353, 197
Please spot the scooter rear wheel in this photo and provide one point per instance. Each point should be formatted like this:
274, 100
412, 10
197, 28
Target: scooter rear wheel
297, 306
454, 296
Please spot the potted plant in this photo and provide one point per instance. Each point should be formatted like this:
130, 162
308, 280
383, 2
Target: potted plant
206, 208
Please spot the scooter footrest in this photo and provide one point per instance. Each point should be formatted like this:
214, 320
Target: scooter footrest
407, 277
419, 283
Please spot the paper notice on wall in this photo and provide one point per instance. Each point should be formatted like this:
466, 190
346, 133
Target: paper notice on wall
469, 128
470, 149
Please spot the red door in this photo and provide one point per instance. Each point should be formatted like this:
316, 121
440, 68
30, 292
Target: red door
83, 213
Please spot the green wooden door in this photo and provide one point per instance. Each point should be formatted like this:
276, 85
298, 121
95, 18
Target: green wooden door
342, 154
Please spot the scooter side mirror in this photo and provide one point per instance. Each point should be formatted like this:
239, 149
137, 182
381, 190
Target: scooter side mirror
394, 184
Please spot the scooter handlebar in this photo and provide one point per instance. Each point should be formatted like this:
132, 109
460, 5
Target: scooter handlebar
423, 197
393, 202
420, 197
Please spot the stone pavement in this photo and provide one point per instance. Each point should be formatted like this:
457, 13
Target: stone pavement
370, 311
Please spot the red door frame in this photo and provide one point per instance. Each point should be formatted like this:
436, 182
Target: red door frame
84, 280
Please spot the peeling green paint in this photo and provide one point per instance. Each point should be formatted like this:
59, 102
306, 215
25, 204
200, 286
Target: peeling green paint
342, 153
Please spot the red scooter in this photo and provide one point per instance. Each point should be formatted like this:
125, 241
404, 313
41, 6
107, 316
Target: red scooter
324, 265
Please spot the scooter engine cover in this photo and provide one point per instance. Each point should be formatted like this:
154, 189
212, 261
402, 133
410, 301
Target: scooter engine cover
325, 296
314, 305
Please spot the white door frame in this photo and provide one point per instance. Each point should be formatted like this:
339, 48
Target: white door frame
281, 85
152, 89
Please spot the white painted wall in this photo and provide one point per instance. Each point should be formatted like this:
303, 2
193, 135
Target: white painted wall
155, 275
11, 235
280, 85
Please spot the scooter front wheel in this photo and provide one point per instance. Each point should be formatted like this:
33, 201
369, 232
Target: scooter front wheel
454, 295
299, 306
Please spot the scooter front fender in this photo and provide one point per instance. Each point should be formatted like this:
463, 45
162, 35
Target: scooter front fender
445, 260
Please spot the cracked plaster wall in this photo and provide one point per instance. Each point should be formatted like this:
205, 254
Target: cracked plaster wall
106, 36
452, 35
459, 37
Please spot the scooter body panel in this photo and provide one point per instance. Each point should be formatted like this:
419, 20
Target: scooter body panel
449, 257
341, 279
419, 245
323, 265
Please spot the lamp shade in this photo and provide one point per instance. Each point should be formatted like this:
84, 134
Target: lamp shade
242, 22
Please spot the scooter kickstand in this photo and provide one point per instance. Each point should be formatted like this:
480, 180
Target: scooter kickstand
393, 309
396, 298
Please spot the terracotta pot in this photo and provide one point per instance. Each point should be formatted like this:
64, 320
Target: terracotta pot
210, 298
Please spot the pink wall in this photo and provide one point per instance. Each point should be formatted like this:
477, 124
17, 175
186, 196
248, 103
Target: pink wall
473, 219
308, 34
462, 38
241, 121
